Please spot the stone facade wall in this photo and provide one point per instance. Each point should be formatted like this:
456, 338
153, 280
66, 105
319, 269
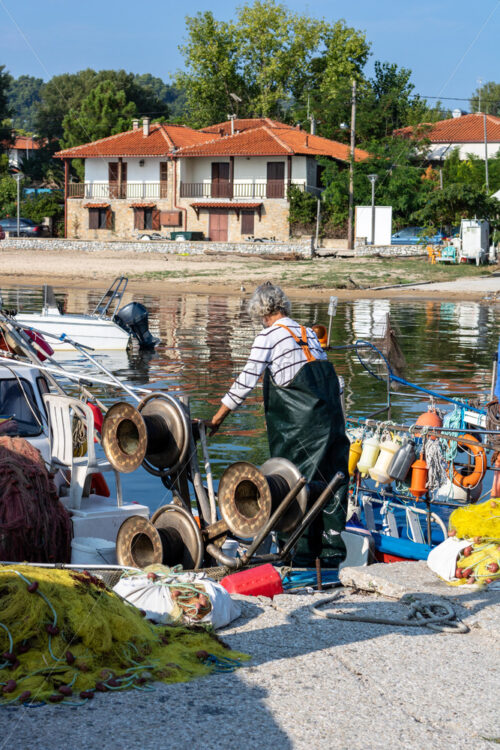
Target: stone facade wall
302, 248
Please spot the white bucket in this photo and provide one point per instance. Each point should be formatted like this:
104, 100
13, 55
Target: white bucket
87, 550
230, 547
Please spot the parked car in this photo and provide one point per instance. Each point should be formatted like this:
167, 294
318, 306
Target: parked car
27, 227
416, 236
2, 233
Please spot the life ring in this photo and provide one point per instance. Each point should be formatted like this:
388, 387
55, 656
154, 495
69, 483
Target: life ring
99, 486
480, 464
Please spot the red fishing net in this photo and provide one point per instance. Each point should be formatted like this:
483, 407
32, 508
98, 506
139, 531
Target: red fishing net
34, 525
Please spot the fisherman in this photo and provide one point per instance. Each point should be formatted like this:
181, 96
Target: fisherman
304, 417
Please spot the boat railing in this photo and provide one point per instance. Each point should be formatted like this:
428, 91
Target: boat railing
113, 294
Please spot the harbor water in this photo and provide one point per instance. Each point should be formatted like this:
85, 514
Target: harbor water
205, 339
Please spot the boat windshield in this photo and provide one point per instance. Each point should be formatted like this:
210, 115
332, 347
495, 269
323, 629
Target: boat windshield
19, 414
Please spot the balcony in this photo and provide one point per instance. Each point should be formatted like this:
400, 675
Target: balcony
263, 189
131, 190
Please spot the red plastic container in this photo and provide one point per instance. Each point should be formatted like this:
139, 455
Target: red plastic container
261, 581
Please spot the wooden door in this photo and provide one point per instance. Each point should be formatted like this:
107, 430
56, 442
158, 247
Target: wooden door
275, 179
247, 222
217, 224
113, 179
123, 193
163, 179
220, 180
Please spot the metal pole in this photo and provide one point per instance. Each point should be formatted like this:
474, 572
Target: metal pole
318, 215
350, 224
18, 180
486, 155
373, 212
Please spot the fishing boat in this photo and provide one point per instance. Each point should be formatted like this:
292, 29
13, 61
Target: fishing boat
109, 327
406, 479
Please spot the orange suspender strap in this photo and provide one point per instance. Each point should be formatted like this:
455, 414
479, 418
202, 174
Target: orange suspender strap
302, 342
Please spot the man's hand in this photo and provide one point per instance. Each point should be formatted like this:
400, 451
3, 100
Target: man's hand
216, 421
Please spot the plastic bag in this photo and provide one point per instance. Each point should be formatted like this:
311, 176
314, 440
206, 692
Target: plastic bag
173, 597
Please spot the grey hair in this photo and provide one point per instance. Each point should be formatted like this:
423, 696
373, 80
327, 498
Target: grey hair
266, 300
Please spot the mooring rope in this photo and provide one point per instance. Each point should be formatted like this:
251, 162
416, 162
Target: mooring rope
422, 614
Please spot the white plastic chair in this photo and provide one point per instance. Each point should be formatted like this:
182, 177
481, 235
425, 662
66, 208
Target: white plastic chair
61, 410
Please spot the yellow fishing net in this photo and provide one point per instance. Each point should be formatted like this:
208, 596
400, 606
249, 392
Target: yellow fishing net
479, 562
64, 635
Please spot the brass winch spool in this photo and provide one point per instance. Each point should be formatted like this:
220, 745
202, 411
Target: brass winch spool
248, 495
180, 536
156, 434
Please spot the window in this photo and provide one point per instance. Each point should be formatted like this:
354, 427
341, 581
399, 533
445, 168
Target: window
247, 222
19, 413
147, 217
100, 218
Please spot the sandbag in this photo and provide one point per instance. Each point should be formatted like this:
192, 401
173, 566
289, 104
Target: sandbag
179, 597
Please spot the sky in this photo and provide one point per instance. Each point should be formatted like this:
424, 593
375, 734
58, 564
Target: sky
448, 44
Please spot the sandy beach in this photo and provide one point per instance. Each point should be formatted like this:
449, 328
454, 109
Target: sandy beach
347, 278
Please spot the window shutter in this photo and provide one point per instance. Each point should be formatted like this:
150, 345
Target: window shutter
109, 219
247, 222
156, 219
138, 218
93, 218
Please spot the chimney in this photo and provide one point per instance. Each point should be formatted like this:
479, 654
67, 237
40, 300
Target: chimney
307, 141
145, 126
135, 124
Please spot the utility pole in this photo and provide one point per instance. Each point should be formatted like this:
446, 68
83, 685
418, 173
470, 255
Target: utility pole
486, 174
19, 177
350, 223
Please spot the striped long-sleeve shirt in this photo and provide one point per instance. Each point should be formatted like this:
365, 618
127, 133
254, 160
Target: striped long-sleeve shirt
275, 348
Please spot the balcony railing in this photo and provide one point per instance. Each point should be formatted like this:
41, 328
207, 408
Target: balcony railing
157, 190
131, 190
269, 189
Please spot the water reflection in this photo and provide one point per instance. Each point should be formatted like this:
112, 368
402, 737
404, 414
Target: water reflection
205, 340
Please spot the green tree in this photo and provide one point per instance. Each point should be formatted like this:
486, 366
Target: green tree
24, 98
401, 182
42, 205
211, 56
105, 111
275, 51
486, 98
66, 92
8, 196
274, 60
455, 202
5, 109
170, 96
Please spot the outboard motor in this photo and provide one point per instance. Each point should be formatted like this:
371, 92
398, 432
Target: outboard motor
133, 318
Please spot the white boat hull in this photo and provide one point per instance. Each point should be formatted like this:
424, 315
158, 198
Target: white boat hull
97, 333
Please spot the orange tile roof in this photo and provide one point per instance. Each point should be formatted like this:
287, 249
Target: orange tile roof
161, 141
463, 129
244, 124
96, 205
266, 141
22, 143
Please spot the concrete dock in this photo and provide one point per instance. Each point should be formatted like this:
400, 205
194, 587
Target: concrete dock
312, 683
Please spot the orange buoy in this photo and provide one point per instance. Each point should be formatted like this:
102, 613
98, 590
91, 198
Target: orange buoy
419, 471
495, 490
322, 334
429, 418
480, 464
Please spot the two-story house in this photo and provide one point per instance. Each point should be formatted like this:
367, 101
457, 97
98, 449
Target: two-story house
228, 181
470, 134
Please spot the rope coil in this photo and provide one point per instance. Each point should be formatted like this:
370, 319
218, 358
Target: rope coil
422, 614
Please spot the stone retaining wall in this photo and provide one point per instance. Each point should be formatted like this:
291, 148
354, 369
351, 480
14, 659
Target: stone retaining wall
389, 251
302, 248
